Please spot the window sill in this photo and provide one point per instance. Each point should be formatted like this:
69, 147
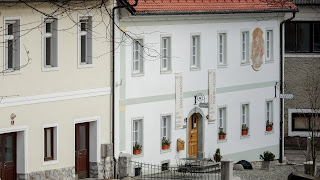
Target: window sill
48, 69
245, 64
81, 66
268, 132
52, 162
245, 137
8, 72
269, 61
137, 75
165, 72
165, 151
195, 68
222, 140
302, 55
138, 155
223, 66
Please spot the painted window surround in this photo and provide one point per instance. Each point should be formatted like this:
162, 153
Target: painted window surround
272, 44
224, 64
55, 144
6, 72
82, 65
169, 63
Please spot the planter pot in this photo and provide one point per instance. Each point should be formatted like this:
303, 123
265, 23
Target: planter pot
244, 133
268, 165
136, 152
164, 147
221, 137
269, 128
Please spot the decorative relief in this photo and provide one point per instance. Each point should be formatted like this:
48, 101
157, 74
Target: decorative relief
257, 49
212, 95
179, 101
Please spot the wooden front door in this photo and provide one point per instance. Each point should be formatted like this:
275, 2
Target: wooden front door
193, 136
82, 150
8, 156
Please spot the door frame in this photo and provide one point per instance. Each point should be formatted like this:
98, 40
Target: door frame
21, 147
201, 129
94, 138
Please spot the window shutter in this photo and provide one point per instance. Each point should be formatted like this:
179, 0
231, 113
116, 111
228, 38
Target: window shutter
17, 45
169, 53
141, 56
198, 51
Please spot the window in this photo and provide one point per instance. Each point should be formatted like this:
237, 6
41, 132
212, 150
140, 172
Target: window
137, 132
48, 144
245, 114
165, 53
137, 56
165, 127
85, 39
269, 111
222, 49
245, 47
12, 45
195, 51
303, 121
302, 37
222, 119
269, 48
50, 42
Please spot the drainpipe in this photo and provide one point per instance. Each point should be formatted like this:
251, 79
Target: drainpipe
281, 84
113, 78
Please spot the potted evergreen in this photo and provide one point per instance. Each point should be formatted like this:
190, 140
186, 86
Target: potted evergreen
244, 130
217, 156
222, 135
267, 163
137, 149
165, 143
269, 126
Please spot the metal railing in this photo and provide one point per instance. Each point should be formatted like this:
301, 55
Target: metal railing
186, 169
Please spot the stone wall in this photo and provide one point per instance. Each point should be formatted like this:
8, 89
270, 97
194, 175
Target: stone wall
295, 73
55, 174
97, 170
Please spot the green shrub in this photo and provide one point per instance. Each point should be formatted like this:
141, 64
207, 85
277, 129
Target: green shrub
217, 156
267, 156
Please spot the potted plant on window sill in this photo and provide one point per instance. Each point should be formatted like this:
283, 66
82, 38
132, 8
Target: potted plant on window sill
165, 143
267, 163
244, 130
137, 149
269, 126
222, 135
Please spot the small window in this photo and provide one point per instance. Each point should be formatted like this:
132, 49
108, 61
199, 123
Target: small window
85, 40
165, 54
50, 149
222, 49
245, 115
164, 166
269, 111
165, 128
222, 120
12, 45
245, 47
195, 51
269, 41
137, 56
50, 42
137, 132
304, 121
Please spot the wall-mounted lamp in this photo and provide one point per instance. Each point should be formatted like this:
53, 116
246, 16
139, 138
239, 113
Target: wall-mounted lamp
12, 116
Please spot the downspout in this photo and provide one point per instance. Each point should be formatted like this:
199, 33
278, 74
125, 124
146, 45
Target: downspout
113, 79
281, 84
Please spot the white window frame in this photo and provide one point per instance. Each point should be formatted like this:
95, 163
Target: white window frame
140, 132
16, 55
168, 127
138, 42
222, 40
89, 41
245, 46
54, 44
195, 65
55, 143
165, 57
222, 118
269, 44
245, 115
269, 111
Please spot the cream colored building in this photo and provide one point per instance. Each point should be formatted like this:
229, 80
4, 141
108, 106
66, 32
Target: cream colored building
55, 90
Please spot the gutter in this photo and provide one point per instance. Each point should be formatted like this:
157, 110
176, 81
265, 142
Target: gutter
113, 79
281, 84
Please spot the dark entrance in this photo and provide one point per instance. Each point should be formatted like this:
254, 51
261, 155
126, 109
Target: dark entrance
82, 150
8, 156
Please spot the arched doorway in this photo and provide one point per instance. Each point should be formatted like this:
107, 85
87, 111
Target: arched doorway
195, 132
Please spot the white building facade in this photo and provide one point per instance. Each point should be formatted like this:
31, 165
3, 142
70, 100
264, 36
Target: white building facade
230, 61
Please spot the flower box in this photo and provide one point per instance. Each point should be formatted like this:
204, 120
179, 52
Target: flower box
221, 137
244, 133
269, 128
136, 152
164, 147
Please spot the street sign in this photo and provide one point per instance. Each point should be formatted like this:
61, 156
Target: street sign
204, 105
286, 96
